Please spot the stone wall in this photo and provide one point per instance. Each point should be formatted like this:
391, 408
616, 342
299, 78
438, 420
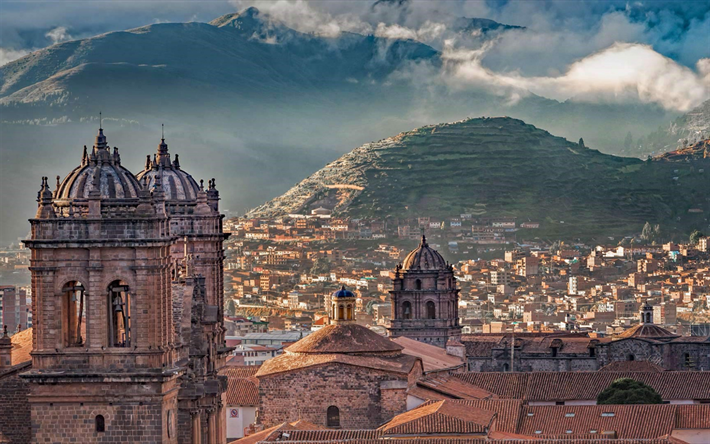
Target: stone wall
14, 408
307, 394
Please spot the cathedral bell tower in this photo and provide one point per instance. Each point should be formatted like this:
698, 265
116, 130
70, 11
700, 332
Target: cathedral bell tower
342, 307
425, 298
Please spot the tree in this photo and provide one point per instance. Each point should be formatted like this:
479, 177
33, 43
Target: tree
695, 236
320, 267
628, 391
231, 308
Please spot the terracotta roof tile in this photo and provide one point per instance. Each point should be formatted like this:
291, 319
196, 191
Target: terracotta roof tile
240, 371
344, 338
290, 361
440, 417
434, 358
454, 388
243, 392
21, 346
505, 385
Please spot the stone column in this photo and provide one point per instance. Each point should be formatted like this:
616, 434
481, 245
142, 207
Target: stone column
196, 427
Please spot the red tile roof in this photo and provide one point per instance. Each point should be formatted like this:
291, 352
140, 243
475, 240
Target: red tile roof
440, 417
21, 346
344, 338
454, 388
402, 364
434, 358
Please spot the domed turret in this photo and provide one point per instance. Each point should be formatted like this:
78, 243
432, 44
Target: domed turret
424, 258
343, 293
101, 171
176, 183
343, 306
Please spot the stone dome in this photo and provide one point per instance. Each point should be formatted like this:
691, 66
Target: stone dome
176, 183
424, 258
343, 293
344, 338
649, 331
101, 170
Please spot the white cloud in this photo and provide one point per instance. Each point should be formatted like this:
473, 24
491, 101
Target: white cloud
8, 55
58, 35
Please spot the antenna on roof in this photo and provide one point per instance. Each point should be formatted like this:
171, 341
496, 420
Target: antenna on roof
101, 121
162, 131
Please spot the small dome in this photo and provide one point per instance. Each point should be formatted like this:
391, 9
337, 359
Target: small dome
424, 258
343, 293
650, 331
176, 183
102, 169
344, 338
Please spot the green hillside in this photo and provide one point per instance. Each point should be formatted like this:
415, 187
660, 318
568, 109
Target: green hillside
505, 167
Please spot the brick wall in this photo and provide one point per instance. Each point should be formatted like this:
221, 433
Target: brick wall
307, 394
14, 408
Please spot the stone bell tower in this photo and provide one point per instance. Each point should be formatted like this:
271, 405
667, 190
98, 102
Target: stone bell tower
425, 298
104, 361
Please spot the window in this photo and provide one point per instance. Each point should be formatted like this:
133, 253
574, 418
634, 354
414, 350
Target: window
506, 367
569, 415
74, 312
418, 284
688, 360
430, 310
341, 312
608, 414
554, 352
648, 318
333, 416
350, 311
407, 310
99, 423
631, 358
592, 352
119, 315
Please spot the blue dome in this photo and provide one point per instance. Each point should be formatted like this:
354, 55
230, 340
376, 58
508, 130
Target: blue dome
343, 293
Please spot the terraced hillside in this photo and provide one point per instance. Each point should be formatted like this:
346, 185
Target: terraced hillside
504, 167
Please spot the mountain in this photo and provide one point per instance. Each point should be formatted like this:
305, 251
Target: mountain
248, 99
503, 167
687, 129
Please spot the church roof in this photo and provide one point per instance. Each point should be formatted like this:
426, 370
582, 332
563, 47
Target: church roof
424, 258
344, 338
649, 331
288, 362
343, 293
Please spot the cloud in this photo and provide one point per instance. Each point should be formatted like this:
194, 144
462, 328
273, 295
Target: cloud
58, 35
8, 55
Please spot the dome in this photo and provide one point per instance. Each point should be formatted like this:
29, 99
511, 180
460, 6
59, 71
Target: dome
102, 170
649, 331
343, 293
344, 338
176, 183
424, 258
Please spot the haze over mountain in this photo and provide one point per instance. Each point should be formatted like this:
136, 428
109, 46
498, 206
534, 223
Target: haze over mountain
249, 99
496, 167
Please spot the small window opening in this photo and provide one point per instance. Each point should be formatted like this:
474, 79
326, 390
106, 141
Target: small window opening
430, 310
333, 419
407, 310
100, 424
418, 284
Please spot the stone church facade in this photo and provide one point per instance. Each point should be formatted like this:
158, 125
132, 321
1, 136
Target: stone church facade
425, 300
128, 298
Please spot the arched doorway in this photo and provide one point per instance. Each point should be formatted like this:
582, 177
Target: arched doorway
119, 306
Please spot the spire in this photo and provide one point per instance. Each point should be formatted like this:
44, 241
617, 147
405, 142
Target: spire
423, 242
84, 157
44, 201
176, 162
162, 156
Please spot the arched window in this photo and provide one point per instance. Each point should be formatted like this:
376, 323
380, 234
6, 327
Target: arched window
350, 311
73, 314
506, 367
333, 416
119, 306
418, 284
648, 318
100, 424
631, 358
407, 310
430, 310
341, 312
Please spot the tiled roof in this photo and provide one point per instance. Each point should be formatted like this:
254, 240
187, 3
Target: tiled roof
693, 416
21, 346
344, 338
434, 358
290, 361
454, 388
440, 417
333, 435
240, 371
628, 421
632, 366
243, 392
505, 385
650, 331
